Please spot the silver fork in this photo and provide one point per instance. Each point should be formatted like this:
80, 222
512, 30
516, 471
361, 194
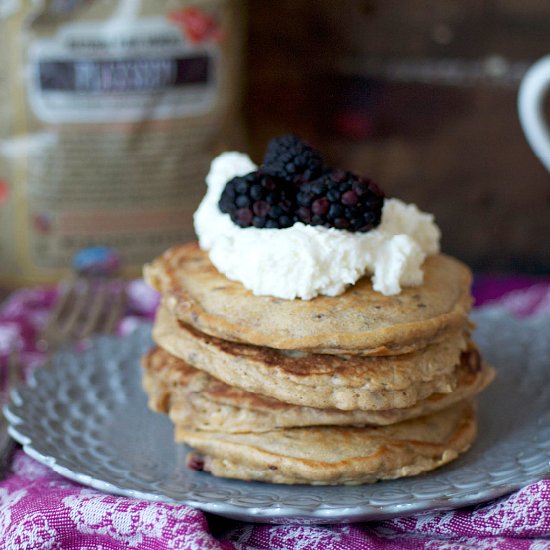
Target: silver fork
85, 306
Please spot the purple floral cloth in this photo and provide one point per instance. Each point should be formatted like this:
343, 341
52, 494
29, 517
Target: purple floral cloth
39, 509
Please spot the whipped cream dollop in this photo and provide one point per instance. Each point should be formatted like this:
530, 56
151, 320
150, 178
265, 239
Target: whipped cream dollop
304, 261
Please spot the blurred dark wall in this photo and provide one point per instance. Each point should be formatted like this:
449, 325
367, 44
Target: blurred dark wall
420, 96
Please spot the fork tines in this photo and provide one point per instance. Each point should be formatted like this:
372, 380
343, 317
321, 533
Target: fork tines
85, 306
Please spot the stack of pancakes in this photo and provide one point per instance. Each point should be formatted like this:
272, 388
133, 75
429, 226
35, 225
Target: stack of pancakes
336, 390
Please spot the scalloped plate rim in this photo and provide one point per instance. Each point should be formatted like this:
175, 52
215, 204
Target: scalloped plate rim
350, 513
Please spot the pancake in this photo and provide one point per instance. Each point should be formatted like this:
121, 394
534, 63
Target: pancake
317, 380
195, 400
360, 320
335, 455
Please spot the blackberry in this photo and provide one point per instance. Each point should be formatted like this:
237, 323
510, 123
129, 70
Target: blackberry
288, 157
259, 200
342, 200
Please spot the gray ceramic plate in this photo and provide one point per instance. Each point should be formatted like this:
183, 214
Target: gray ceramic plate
86, 417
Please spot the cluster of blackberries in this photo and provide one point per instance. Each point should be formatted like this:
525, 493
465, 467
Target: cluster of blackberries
293, 185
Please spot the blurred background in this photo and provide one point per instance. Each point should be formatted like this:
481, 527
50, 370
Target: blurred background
420, 96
